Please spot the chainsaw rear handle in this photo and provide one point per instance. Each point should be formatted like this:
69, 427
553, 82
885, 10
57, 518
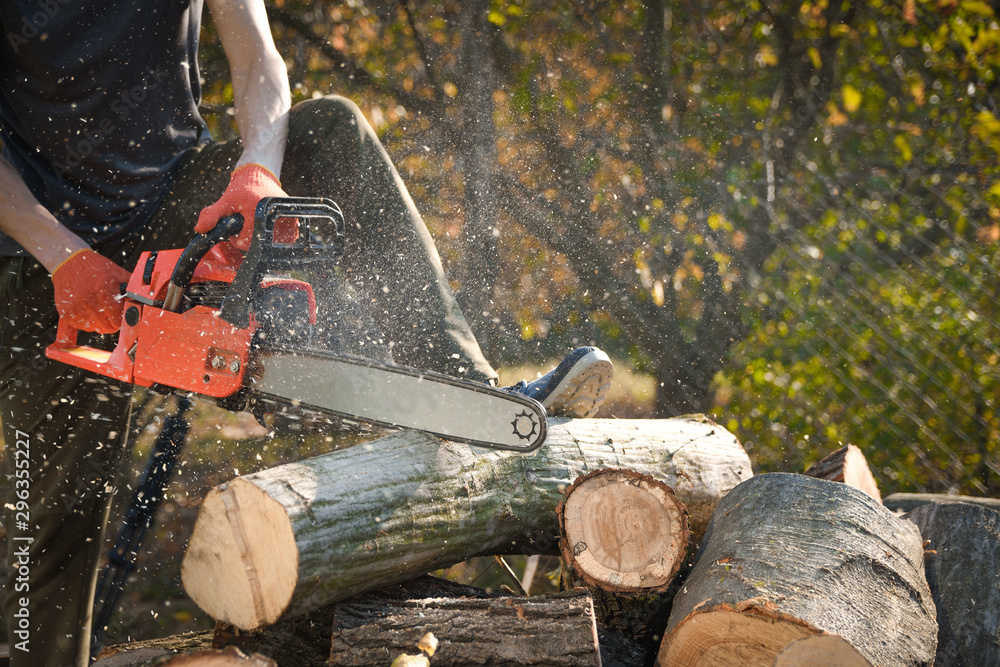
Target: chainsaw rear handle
315, 253
66, 349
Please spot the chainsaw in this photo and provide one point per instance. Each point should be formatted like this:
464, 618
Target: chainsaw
238, 328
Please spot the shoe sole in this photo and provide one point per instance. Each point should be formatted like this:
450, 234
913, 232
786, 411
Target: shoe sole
582, 390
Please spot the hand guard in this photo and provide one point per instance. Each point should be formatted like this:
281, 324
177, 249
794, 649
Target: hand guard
248, 184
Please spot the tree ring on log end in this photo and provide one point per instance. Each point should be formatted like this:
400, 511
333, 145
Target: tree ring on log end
240, 532
623, 531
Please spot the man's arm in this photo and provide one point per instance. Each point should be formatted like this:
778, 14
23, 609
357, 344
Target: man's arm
260, 82
29, 223
85, 284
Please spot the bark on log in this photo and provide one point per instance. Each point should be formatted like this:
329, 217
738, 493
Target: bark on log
623, 531
789, 556
141, 652
304, 641
963, 570
905, 502
555, 629
847, 465
639, 618
230, 657
294, 538
202, 657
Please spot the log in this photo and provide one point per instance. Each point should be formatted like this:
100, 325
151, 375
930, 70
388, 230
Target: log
305, 641
963, 570
630, 532
623, 531
300, 536
142, 652
230, 657
205, 657
847, 465
905, 502
787, 557
555, 629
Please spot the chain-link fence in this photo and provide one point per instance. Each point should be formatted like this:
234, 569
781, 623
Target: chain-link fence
878, 334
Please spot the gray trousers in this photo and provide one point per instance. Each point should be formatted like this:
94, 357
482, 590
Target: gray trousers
64, 430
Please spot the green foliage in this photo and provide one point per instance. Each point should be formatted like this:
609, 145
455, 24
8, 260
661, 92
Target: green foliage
787, 212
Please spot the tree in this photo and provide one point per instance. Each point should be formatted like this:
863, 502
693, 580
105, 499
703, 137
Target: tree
700, 187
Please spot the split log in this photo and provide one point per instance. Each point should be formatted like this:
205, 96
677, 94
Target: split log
556, 629
297, 537
905, 502
787, 557
623, 531
963, 570
847, 465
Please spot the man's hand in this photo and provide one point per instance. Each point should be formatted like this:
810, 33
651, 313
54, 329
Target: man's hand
88, 289
248, 185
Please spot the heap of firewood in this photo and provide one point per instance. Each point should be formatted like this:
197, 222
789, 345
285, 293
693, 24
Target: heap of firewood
674, 554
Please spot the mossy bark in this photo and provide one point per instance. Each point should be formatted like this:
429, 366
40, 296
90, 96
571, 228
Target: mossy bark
556, 629
787, 557
294, 538
963, 570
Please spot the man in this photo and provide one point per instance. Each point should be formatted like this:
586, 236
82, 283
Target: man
105, 155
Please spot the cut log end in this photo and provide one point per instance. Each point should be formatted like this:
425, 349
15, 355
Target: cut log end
623, 531
240, 532
728, 637
754, 637
821, 651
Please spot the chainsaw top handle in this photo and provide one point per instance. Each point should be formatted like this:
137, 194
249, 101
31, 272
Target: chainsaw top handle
314, 253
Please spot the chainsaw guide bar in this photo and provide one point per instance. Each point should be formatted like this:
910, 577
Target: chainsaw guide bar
398, 396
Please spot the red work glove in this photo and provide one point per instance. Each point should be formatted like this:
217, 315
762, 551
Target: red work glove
248, 184
88, 291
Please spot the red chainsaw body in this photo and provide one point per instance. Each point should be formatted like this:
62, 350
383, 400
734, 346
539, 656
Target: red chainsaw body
194, 350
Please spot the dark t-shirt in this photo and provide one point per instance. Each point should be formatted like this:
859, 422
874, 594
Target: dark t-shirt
98, 99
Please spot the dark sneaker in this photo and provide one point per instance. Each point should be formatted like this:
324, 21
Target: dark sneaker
575, 388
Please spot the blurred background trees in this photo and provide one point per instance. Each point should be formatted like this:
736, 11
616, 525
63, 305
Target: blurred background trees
786, 212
